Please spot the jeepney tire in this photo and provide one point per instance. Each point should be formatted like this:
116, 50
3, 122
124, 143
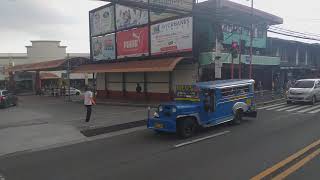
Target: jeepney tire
238, 117
186, 127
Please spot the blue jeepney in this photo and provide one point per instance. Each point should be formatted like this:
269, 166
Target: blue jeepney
205, 104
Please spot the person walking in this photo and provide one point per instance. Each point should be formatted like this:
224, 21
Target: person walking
88, 102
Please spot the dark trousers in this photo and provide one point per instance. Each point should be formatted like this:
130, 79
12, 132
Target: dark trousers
89, 109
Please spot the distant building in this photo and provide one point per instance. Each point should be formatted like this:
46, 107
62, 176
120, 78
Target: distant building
39, 51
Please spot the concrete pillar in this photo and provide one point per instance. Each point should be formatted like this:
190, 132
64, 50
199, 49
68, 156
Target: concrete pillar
86, 81
306, 57
297, 56
37, 82
278, 51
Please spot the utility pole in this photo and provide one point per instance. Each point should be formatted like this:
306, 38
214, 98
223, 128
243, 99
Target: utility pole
240, 52
68, 74
217, 59
251, 42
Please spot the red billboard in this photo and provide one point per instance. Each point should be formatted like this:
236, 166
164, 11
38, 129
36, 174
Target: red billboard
133, 43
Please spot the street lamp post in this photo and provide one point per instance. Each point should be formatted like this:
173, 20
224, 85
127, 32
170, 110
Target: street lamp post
251, 42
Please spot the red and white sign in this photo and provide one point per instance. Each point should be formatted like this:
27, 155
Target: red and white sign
133, 43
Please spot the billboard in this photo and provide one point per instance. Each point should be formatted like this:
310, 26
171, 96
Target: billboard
133, 43
127, 17
174, 4
102, 21
233, 33
172, 36
157, 16
103, 47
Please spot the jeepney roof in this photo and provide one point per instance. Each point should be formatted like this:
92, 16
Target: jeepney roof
224, 83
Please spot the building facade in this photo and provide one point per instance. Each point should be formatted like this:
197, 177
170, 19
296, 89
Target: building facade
155, 51
39, 51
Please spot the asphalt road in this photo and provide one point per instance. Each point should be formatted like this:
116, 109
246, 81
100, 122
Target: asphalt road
238, 152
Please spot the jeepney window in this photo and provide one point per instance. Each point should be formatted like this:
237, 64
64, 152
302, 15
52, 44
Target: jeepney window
242, 90
227, 92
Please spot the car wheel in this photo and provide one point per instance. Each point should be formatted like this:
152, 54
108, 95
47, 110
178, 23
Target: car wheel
186, 127
289, 102
314, 100
77, 93
238, 117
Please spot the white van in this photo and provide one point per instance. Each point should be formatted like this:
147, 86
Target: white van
304, 90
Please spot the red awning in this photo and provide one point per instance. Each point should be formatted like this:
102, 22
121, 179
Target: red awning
38, 66
52, 65
48, 76
152, 65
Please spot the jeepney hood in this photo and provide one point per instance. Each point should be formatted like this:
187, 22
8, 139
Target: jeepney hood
183, 107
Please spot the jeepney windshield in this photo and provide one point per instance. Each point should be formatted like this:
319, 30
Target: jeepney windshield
187, 93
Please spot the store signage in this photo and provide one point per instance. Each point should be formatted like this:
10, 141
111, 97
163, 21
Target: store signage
103, 47
127, 17
235, 33
102, 21
174, 4
172, 36
133, 43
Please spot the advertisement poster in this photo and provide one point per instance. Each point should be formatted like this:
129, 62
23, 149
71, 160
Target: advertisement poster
102, 21
157, 16
127, 17
103, 47
172, 36
174, 4
133, 43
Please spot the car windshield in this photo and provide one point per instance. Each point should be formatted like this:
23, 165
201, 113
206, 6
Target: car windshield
304, 84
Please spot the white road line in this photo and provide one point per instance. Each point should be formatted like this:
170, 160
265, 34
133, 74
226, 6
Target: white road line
264, 107
298, 108
1, 177
309, 109
200, 139
276, 107
285, 108
315, 111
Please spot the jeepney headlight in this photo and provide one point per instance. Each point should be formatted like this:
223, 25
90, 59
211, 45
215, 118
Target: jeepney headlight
160, 108
174, 110
156, 115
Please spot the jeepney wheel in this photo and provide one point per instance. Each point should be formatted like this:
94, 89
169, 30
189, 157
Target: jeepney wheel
186, 127
238, 117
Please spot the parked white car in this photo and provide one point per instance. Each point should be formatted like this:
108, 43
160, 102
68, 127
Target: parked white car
73, 91
304, 90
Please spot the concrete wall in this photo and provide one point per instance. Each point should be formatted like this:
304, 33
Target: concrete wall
45, 51
158, 82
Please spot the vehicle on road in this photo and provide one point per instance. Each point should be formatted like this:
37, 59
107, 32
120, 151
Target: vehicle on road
7, 99
205, 104
73, 91
304, 90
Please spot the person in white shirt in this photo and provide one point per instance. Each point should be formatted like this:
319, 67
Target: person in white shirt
88, 102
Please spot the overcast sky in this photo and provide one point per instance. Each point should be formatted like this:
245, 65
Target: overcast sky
67, 20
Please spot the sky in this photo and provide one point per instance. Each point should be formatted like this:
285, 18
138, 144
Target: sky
67, 20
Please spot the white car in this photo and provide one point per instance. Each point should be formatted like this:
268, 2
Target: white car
304, 90
73, 91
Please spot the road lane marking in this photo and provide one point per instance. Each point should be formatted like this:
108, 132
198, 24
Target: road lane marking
309, 109
297, 166
264, 107
282, 163
298, 108
315, 111
2, 177
288, 107
276, 107
200, 139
